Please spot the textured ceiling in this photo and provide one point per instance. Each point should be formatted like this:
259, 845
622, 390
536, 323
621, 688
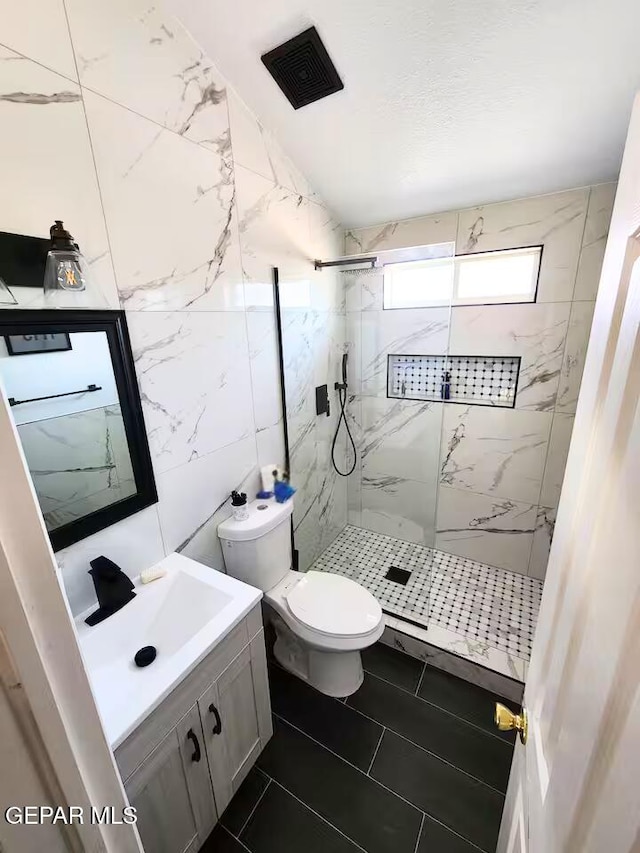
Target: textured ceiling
447, 103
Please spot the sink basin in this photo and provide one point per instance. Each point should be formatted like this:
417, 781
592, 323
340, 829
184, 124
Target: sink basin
184, 615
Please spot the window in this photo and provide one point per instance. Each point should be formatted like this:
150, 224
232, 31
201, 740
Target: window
418, 284
484, 278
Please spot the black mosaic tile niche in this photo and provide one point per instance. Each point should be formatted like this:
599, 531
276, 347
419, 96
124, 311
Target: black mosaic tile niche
478, 380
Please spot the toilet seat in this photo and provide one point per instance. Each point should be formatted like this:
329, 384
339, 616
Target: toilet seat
333, 605
278, 599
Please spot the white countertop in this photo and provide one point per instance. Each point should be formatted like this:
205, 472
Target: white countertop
184, 615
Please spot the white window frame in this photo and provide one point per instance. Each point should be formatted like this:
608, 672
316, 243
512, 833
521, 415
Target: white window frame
458, 262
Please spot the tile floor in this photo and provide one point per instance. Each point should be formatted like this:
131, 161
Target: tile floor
478, 602
411, 763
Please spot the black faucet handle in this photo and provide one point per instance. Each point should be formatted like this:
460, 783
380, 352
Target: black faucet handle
113, 587
105, 569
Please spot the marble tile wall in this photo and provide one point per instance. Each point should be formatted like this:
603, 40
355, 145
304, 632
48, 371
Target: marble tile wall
314, 339
482, 483
115, 121
78, 462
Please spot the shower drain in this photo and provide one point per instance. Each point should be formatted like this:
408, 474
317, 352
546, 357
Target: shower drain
397, 575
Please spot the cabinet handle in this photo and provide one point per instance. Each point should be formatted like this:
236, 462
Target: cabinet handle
218, 726
197, 755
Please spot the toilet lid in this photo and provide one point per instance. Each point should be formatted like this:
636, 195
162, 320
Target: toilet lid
334, 605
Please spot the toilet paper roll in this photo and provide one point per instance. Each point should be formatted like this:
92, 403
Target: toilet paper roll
266, 475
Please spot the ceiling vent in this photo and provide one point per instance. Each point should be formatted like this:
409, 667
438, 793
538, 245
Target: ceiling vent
303, 69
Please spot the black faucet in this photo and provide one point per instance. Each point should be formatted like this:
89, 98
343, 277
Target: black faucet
113, 589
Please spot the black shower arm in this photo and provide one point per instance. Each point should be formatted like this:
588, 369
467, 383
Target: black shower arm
346, 262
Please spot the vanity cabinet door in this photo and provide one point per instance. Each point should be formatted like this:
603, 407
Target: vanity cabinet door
194, 760
158, 790
171, 791
236, 719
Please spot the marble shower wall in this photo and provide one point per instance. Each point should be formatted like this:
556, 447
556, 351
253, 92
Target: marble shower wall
79, 462
115, 121
479, 482
314, 339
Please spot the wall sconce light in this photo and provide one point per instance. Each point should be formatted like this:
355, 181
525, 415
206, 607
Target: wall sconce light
66, 268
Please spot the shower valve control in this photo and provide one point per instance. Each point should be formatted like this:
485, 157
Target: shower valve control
322, 400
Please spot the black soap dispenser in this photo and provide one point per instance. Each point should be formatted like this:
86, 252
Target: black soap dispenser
445, 388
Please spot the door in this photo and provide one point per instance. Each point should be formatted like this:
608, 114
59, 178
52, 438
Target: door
236, 720
171, 791
40, 635
26, 782
575, 786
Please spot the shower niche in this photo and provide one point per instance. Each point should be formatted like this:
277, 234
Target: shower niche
477, 380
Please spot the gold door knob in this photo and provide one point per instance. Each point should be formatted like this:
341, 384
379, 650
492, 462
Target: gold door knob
507, 720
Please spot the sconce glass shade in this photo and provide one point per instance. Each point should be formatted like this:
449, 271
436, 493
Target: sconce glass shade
66, 268
6, 297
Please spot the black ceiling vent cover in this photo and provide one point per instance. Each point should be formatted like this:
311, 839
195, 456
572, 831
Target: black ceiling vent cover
303, 69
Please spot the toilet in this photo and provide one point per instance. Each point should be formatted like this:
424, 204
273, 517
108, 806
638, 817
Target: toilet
322, 621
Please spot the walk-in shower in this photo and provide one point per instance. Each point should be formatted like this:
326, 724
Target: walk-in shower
453, 349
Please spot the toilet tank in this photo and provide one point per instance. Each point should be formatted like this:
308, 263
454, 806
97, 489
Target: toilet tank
258, 550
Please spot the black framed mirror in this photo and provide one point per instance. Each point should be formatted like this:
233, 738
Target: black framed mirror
70, 380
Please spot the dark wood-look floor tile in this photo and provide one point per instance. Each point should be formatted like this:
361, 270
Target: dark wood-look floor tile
364, 811
393, 666
469, 701
467, 806
467, 747
329, 721
221, 841
436, 838
282, 824
236, 813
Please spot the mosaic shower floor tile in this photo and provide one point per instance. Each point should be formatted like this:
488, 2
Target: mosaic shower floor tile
475, 601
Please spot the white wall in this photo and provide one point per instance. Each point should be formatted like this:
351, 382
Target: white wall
88, 362
182, 203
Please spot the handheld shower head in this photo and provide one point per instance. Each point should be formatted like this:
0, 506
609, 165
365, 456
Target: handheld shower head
342, 386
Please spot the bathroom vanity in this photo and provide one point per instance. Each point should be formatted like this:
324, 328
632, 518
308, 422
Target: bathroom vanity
186, 734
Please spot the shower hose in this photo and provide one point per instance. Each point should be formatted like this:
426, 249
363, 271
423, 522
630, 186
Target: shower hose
342, 397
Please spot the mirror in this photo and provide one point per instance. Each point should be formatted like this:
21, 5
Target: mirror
70, 381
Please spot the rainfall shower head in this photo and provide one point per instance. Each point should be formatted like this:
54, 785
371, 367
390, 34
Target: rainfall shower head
352, 266
373, 270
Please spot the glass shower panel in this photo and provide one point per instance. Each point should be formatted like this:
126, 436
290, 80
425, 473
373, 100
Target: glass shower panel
377, 524
312, 324
392, 494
